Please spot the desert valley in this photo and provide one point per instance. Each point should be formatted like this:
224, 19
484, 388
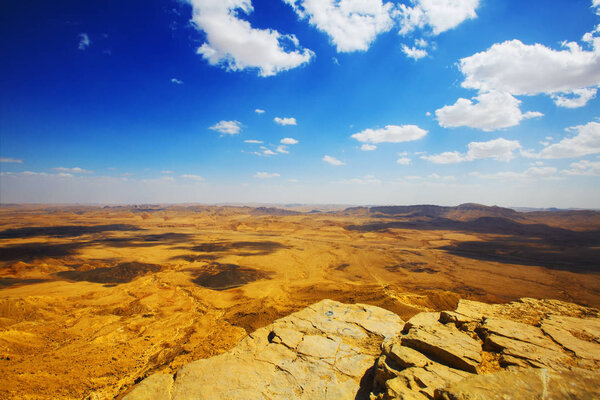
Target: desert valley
95, 299
300, 200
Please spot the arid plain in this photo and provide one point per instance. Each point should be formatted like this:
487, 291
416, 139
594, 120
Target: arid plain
94, 299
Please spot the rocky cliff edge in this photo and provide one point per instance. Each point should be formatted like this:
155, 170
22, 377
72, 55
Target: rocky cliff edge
528, 349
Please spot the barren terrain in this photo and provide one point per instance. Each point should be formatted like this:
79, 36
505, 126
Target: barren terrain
94, 299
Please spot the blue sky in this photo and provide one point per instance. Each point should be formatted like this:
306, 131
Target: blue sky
365, 102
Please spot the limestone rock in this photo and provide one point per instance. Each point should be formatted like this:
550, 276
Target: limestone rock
422, 320
445, 343
528, 384
583, 339
337, 351
321, 352
155, 387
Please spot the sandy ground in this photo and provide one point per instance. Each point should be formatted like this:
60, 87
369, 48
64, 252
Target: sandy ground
88, 312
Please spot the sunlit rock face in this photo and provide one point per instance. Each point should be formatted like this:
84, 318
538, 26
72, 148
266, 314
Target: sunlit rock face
332, 350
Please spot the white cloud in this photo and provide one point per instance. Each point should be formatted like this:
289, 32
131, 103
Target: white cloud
531, 173
333, 161
176, 81
586, 141
414, 52
193, 177
253, 141
84, 41
521, 69
584, 167
285, 121
269, 152
352, 25
75, 170
448, 157
498, 149
403, 161
282, 149
391, 134
492, 111
227, 127
234, 44
259, 111
365, 180
368, 147
438, 15
265, 175
288, 141
422, 43
10, 160
577, 98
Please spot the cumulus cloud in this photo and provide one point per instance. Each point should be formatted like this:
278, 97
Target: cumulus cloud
265, 175
586, 141
391, 134
333, 161
414, 52
253, 141
368, 147
403, 161
491, 111
84, 41
176, 81
577, 98
234, 44
74, 170
532, 173
282, 149
447, 157
285, 121
351, 25
498, 149
521, 69
269, 152
584, 167
10, 160
437, 15
259, 111
227, 127
193, 177
289, 141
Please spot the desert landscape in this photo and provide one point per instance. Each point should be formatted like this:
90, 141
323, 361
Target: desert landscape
300, 200
95, 299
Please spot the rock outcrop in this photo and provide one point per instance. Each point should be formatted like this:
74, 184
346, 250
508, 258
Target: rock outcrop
527, 349
321, 352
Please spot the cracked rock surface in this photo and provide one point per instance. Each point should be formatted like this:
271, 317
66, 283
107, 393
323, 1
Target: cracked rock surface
320, 352
528, 349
